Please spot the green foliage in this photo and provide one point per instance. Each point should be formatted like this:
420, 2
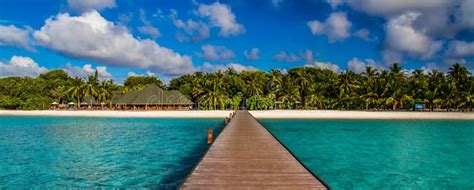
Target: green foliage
139, 82
36, 103
38, 93
9, 102
300, 88
258, 102
313, 88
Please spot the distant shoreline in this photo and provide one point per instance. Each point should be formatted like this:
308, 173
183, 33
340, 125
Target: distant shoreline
269, 114
336, 114
119, 114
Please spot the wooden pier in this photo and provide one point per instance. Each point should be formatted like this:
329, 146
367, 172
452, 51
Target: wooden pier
247, 156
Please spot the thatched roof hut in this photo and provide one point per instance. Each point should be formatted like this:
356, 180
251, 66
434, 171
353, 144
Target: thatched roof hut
87, 100
153, 95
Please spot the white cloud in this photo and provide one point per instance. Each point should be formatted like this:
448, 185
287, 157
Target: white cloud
428, 22
216, 53
363, 34
207, 67
306, 55
89, 5
22, 67
125, 18
148, 73
444, 65
390, 56
239, 68
286, 57
191, 30
253, 54
87, 70
438, 17
220, 15
148, 28
194, 30
277, 3
16, 37
395, 7
324, 65
358, 66
159, 14
92, 37
133, 74
402, 37
465, 14
337, 27
335, 3
460, 49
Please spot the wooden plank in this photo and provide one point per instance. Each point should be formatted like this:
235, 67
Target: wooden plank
247, 156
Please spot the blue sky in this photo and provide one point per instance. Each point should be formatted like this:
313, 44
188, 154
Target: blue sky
170, 38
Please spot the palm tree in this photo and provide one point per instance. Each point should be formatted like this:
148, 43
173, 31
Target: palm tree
59, 93
212, 91
75, 91
212, 99
256, 83
302, 79
395, 69
198, 86
315, 97
90, 87
104, 92
274, 80
347, 83
418, 85
254, 88
369, 73
289, 93
449, 95
467, 96
458, 73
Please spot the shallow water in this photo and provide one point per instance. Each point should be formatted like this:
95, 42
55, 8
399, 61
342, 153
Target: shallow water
46, 152
383, 154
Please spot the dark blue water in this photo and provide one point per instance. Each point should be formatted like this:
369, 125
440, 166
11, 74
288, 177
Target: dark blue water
46, 152
383, 154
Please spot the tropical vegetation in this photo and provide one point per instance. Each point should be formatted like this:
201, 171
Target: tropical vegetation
298, 88
315, 88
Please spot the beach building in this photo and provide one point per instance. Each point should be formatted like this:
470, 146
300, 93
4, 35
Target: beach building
150, 98
91, 102
153, 98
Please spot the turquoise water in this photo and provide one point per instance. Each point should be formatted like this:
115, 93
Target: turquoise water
46, 152
383, 154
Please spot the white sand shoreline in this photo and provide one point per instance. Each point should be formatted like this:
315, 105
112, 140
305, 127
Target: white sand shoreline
335, 114
272, 114
131, 114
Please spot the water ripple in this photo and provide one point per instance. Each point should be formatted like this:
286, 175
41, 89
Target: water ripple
40, 152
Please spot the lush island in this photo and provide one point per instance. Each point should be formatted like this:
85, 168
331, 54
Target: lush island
299, 88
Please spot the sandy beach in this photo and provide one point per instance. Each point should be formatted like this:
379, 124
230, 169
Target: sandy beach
272, 114
334, 114
132, 114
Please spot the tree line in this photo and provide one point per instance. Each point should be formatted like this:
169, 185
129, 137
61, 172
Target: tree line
314, 88
38, 93
298, 88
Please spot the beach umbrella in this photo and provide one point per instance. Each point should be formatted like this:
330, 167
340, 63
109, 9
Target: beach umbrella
71, 103
54, 103
83, 103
